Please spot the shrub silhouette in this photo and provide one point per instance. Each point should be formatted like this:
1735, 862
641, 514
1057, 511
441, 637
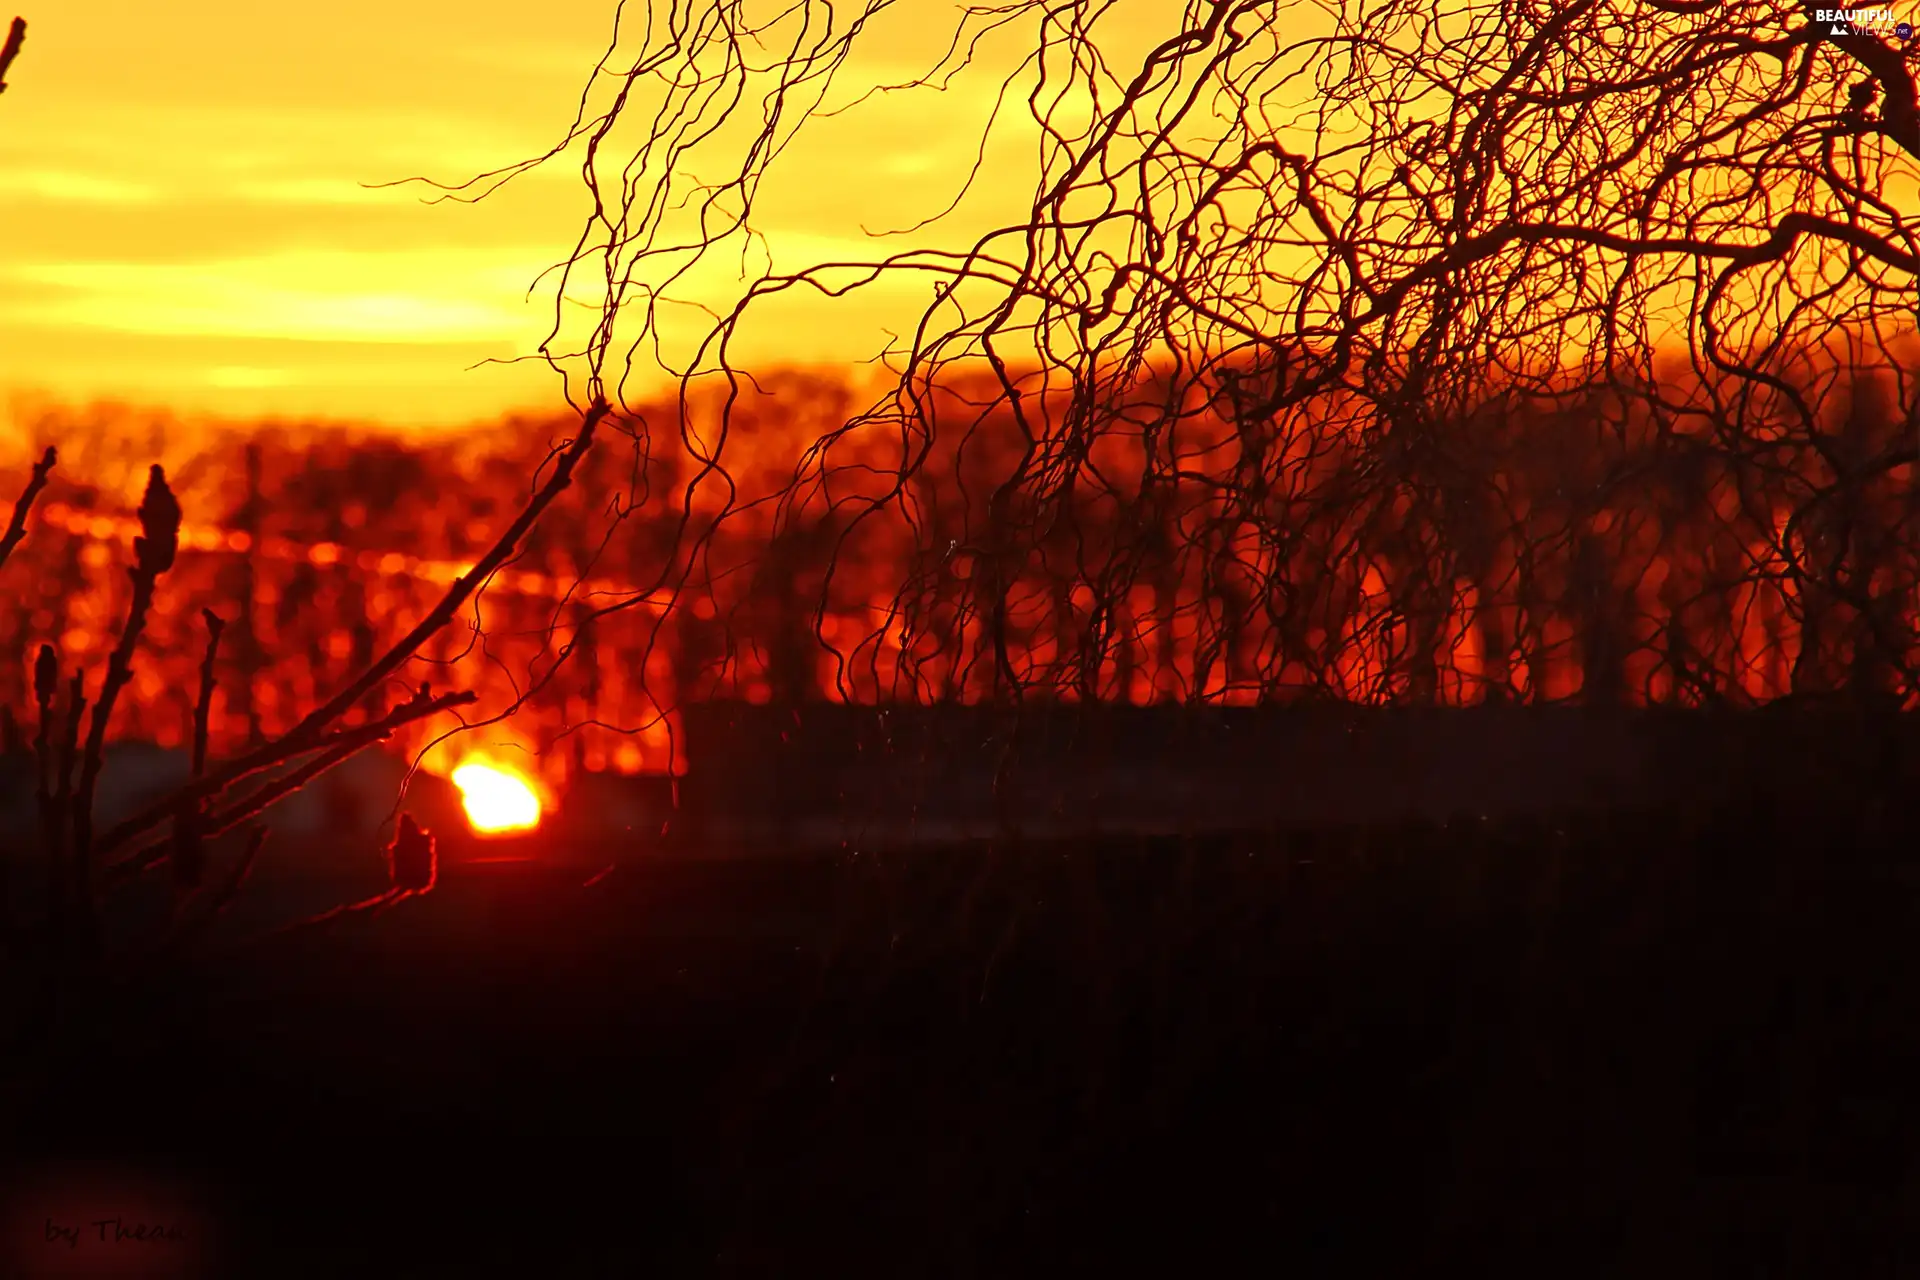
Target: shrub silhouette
57, 947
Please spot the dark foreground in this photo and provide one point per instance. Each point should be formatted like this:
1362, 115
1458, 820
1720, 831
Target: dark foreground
1641, 1051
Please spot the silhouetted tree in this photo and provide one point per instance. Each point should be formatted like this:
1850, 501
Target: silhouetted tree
1501, 205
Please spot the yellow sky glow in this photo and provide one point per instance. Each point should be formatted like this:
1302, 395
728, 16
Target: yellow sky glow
191, 215
184, 191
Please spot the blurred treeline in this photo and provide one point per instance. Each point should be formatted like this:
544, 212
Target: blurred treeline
1603, 546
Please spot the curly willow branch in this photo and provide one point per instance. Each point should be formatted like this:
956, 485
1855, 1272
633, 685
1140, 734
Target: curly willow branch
1376, 352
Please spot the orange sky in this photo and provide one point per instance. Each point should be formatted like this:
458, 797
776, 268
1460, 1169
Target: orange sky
181, 220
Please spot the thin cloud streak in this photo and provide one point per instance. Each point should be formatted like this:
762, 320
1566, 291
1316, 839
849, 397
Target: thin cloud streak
176, 177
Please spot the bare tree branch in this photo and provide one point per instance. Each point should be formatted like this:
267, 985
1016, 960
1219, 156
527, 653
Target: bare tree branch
17, 526
1386, 251
16, 37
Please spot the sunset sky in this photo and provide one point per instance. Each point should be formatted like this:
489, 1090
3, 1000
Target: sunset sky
185, 225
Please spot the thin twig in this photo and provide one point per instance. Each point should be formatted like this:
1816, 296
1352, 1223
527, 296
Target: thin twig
203, 708
17, 527
57, 815
154, 551
265, 797
277, 753
16, 36
463, 586
189, 828
343, 746
374, 905
46, 682
237, 876
186, 930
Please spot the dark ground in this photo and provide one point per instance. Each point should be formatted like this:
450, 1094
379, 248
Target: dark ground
1648, 1050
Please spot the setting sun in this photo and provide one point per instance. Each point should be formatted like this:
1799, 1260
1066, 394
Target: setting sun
496, 798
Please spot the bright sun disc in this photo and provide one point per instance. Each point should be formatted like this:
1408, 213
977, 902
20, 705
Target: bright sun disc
496, 799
